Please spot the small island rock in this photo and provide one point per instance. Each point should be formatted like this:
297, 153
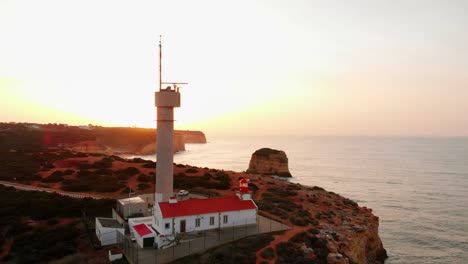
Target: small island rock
269, 161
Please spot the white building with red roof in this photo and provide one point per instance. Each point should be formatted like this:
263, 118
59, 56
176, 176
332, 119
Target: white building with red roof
191, 215
144, 235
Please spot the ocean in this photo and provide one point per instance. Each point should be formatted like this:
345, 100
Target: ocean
418, 187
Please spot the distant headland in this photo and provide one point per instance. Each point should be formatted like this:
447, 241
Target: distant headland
96, 139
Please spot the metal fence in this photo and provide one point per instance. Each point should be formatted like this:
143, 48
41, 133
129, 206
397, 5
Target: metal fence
193, 243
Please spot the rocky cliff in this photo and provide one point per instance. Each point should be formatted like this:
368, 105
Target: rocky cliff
359, 240
269, 161
179, 145
191, 136
326, 227
135, 141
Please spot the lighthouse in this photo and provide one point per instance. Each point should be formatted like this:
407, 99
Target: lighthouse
243, 192
165, 100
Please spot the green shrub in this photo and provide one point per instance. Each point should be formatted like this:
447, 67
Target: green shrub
268, 253
298, 221
150, 165
105, 163
253, 186
69, 172
350, 202
143, 186
181, 181
58, 173
240, 251
84, 174
288, 251
282, 192
84, 166
144, 178
53, 178
52, 222
107, 188
127, 173
43, 245
103, 171
138, 160
76, 186
68, 181
191, 170
313, 231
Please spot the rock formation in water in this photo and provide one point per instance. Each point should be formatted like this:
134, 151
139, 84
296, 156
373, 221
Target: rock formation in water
269, 161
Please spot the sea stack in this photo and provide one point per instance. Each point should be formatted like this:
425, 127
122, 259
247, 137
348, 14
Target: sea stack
269, 161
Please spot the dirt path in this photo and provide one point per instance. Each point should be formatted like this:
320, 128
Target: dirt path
278, 239
25, 187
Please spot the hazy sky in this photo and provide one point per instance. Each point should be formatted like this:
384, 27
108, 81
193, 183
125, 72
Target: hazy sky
263, 67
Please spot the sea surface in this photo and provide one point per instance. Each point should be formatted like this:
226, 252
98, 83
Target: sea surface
417, 186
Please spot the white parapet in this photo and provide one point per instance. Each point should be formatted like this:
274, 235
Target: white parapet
167, 98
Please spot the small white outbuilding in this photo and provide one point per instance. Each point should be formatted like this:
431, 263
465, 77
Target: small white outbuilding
107, 229
132, 206
115, 254
144, 235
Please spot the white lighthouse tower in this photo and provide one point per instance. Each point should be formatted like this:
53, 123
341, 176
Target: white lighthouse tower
165, 99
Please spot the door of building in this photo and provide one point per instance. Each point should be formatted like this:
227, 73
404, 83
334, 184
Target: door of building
182, 226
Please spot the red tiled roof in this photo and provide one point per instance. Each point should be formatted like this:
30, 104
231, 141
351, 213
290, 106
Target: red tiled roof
142, 229
205, 206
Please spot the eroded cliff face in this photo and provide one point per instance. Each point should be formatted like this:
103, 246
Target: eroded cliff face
326, 227
269, 161
360, 241
133, 141
190, 137
365, 245
91, 147
179, 145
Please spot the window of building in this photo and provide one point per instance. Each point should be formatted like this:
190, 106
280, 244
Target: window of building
197, 222
212, 220
167, 225
225, 219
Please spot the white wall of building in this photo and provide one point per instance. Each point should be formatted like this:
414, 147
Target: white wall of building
234, 218
107, 235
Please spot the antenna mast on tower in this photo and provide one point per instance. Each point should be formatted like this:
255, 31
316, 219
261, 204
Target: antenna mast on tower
160, 63
175, 85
